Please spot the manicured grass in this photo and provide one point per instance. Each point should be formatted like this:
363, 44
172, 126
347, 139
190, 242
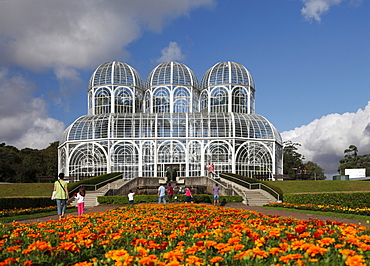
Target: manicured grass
312, 186
331, 214
26, 190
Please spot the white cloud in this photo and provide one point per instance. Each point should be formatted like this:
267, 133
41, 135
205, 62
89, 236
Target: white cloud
171, 53
314, 9
324, 140
23, 119
41, 34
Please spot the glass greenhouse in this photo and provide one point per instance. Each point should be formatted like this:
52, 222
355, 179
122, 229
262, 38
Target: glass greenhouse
170, 125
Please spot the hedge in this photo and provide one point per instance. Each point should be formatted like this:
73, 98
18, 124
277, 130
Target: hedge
12, 203
154, 198
351, 200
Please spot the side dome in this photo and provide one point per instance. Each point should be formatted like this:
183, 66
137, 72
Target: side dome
173, 73
227, 73
115, 73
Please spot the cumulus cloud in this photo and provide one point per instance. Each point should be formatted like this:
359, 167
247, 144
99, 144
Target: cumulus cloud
171, 53
324, 140
314, 9
43, 34
24, 121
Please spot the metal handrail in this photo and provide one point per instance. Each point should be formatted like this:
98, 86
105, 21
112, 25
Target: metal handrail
251, 185
95, 186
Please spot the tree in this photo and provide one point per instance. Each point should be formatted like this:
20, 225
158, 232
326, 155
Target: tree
291, 158
314, 170
353, 160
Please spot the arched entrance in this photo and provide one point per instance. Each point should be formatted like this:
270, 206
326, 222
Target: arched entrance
171, 171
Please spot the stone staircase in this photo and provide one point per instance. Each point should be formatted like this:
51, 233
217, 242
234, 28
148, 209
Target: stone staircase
91, 197
251, 197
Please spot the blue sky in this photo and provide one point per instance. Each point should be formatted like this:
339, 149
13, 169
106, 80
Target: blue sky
310, 60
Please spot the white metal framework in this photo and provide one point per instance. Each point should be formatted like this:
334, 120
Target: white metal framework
170, 122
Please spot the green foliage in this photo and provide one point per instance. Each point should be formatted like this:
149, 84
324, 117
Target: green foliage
198, 198
291, 158
315, 171
23, 166
351, 200
352, 160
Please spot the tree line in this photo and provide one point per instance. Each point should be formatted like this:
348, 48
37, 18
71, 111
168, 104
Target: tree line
26, 165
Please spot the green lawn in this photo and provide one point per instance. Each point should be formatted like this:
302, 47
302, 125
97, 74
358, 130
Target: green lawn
26, 190
303, 186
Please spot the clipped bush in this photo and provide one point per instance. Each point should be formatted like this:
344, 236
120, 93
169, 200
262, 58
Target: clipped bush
351, 200
94, 181
12, 203
198, 198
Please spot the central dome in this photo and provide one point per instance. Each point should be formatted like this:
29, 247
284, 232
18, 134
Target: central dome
173, 73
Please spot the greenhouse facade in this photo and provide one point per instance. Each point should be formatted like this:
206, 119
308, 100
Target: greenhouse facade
170, 125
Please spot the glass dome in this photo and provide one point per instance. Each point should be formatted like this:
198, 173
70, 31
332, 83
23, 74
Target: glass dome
115, 73
227, 73
173, 73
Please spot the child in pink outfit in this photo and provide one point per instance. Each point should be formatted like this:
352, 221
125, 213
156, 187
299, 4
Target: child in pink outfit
80, 196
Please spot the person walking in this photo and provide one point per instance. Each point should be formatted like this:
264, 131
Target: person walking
131, 197
188, 195
80, 196
161, 194
61, 196
170, 192
216, 196
211, 170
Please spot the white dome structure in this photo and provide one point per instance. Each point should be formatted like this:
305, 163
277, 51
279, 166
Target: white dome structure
165, 131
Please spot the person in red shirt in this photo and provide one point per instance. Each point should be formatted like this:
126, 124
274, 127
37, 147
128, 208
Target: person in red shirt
170, 192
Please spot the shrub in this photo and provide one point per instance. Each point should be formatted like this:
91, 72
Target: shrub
11, 203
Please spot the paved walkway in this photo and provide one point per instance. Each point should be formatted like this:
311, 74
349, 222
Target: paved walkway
103, 208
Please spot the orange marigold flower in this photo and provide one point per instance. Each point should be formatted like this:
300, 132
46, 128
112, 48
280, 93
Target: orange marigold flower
149, 260
326, 241
14, 248
300, 228
347, 252
290, 257
194, 260
234, 240
357, 260
174, 255
210, 243
84, 263
27, 263
314, 250
216, 259
69, 246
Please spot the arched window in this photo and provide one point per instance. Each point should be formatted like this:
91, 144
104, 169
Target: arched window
181, 99
102, 101
123, 100
204, 101
125, 159
240, 100
219, 100
161, 100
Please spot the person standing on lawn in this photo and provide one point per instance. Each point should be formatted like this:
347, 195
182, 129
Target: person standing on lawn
131, 197
61, 196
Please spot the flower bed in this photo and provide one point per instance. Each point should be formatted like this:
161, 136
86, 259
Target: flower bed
183, 234
325, 208
16, 212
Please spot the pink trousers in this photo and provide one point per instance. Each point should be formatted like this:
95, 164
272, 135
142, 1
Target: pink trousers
81, 208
